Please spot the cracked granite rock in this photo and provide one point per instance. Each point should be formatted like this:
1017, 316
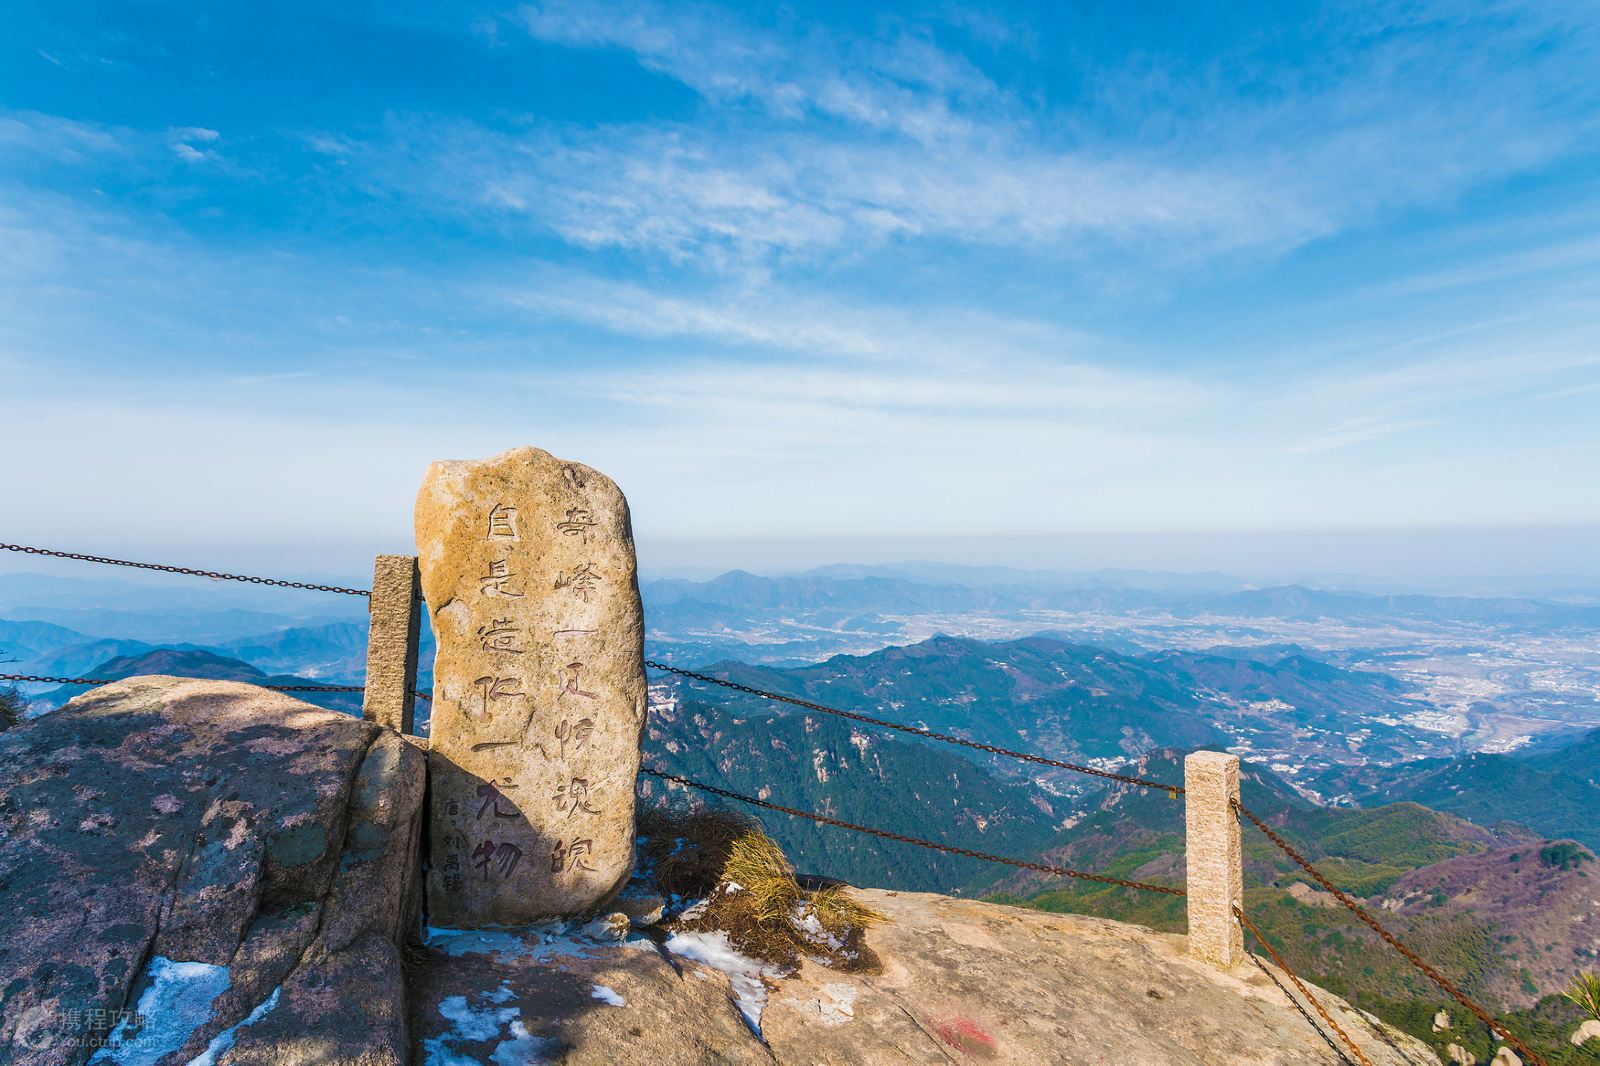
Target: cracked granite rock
241, 863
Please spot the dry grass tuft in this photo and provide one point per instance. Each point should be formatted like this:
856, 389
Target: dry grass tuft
838, 912
756, 864
685, 851
750, 891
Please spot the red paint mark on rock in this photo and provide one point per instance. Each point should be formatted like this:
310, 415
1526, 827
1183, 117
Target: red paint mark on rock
965, 1036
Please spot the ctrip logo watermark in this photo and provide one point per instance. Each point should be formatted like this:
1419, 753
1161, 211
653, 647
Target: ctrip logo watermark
117, 1030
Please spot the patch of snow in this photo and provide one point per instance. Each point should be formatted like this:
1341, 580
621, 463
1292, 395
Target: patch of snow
745, 974
473, 1023
225, 1039
806, 923
606, 995
176, 1003
482, 1024
523, 1049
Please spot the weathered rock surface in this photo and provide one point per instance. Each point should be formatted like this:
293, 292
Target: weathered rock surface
551, 996
538, 687
959, 981
206, 852
971, 980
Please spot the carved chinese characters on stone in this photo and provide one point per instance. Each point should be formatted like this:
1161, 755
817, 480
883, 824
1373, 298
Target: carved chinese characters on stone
528, 570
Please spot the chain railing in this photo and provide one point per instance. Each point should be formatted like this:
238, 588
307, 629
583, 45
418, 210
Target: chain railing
1038, 867
1377, 927
1304, 991
917, 731
35, 679
215, 575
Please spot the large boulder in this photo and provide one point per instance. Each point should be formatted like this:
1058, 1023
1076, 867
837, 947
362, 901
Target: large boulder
190, 866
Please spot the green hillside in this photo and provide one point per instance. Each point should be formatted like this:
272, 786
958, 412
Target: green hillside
822, 764
1055, 698
1555, 794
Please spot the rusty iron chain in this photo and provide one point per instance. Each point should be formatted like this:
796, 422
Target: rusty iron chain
1337, 1050
36, 680
1304, 991
1171, 790
1410, 956
213, 574
316, 688
1059, 871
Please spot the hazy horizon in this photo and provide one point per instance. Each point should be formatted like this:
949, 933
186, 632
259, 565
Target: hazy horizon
1508, 560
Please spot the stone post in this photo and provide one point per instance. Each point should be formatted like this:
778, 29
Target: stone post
538, 688
392, 636
1215, 863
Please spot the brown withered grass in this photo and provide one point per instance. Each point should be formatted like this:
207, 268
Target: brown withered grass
705, 853
685, 851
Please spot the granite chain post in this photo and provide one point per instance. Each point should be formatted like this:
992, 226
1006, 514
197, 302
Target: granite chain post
396, 621
1215, 864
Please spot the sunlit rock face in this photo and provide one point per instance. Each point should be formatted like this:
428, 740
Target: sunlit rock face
235, 865
528, 569
946, 980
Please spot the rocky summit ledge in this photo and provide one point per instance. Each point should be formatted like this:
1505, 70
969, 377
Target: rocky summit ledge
207, 872
956, 981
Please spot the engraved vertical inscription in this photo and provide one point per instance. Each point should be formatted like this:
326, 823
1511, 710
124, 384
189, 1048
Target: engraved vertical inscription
528, 569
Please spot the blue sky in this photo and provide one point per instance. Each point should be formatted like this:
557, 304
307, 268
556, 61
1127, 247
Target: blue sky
800, 271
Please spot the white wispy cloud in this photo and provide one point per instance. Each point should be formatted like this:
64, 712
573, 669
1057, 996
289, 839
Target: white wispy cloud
38, 138
184, 142
58, 139
1360, 430
817, 144
724, 201
899, 81
786, 320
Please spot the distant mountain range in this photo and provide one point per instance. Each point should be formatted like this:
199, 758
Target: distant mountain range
826, 765
1074, 701
334, 654
193, 612
880, 593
